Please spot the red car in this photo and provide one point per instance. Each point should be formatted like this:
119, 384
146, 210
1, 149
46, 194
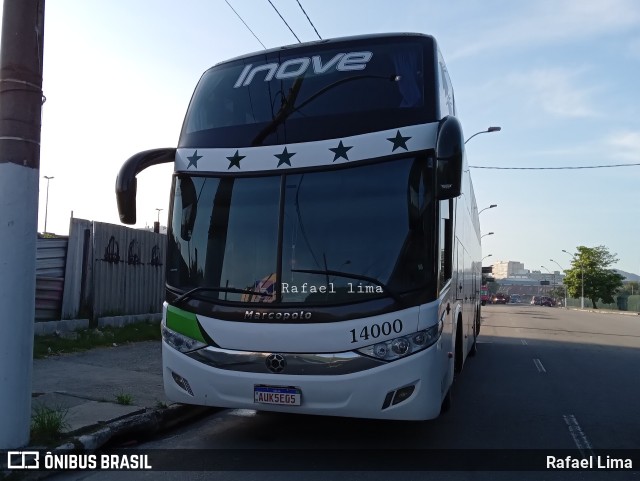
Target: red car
499, 298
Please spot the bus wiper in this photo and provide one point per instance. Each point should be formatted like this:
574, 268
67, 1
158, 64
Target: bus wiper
286, 109
289, 107
358, 277
186, 295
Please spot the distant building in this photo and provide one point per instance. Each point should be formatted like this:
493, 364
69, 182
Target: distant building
504, 269
555, 277
513, 273
162, 230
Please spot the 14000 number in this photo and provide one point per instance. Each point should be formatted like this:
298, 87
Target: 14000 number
376, 330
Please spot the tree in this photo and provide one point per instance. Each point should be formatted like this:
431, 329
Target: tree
591, 266
494, 287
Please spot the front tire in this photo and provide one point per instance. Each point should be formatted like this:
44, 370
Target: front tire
459, 354
474, 347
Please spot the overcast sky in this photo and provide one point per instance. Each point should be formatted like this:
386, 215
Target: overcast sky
559, 76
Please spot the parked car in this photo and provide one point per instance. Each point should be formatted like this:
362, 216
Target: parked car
499, 298
542, 301
515, 299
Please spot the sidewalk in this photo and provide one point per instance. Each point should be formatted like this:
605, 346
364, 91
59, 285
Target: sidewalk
87, 385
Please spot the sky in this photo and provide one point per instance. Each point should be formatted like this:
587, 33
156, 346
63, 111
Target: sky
560, 77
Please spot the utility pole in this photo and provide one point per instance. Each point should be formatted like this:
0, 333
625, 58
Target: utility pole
20, 118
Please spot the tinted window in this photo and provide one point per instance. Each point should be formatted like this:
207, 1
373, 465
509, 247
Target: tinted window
305, 94
370, 227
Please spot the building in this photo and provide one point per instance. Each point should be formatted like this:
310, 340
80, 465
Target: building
504, 269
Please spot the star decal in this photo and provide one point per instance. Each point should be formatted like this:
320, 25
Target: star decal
399, 141
235, 160
193, 160
340, 151
284, 157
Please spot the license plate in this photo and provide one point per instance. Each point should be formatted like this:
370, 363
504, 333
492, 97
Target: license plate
282, 396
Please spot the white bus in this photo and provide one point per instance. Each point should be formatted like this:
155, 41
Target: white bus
323, 241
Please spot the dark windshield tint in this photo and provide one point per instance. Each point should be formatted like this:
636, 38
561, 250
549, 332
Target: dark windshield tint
231, 233
365, 221
312, 94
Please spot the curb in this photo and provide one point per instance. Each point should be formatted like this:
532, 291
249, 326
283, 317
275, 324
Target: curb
604, 311
144, 424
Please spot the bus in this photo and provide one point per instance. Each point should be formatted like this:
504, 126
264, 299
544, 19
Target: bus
485, 295
323, 239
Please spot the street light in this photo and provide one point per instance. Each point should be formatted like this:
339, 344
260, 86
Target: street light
554, 276
582, 276
156, 225
490, 207
565, 285
484, 235
46, 205
488, 255
490, 129
561, 268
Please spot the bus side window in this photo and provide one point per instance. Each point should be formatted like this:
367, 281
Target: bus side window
445, 242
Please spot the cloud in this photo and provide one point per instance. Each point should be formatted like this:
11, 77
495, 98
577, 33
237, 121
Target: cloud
556, 91
546, 22
625, 145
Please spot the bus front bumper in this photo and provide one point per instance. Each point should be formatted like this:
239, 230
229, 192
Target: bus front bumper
370, 393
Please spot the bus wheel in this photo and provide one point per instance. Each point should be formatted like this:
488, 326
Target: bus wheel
474, 346
459, 355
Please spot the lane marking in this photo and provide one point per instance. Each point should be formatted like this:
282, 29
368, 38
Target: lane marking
578, 435
524, 343
539, 366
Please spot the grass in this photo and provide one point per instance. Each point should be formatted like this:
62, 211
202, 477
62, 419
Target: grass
53, 345
124, 399
47, 424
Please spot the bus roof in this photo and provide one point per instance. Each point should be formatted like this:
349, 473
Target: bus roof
328, 42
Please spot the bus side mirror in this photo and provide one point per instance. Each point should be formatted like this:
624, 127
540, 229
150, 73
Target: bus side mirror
126, 183
449, 158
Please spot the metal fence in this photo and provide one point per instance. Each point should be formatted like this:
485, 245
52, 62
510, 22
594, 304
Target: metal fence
113, 270
622, 303
51, 254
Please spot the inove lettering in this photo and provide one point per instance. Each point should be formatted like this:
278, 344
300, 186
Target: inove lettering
342, 62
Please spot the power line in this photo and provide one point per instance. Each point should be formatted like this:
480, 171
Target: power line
245, 23
305, 14
285, 22
557, 168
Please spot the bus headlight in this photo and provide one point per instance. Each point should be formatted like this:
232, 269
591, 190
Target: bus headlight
405, 345
179, 341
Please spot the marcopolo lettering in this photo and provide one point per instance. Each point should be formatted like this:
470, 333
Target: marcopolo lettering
342, 62
277, 316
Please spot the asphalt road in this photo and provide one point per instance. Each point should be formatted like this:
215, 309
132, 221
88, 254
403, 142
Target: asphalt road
544, 378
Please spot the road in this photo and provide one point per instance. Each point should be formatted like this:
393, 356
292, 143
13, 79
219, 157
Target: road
544, 378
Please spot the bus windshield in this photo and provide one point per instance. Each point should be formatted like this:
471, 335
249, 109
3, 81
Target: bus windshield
277, 97
313, 238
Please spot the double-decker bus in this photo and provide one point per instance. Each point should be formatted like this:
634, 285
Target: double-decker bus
323, 238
